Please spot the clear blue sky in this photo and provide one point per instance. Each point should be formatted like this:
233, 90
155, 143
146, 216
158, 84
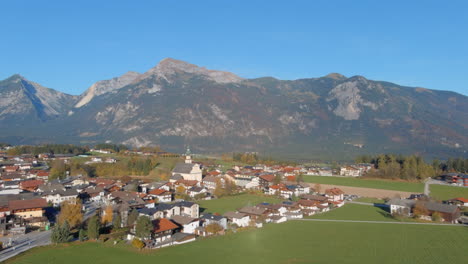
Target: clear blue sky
68, 45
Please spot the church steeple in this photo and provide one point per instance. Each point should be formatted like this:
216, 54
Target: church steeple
188, 158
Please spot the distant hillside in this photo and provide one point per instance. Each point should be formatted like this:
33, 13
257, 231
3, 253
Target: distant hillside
176, 104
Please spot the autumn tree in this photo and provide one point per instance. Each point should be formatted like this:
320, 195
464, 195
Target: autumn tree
436, 217
213, 228
58, 170
420, 209
277, 179
137, 243
108, 215
143, 227
70, 212
318, 188
219, 191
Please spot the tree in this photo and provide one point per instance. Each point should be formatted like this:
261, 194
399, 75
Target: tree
219, 191
318, 188
300, 178
213, 228
61, 233
108, 215
180, 189
132, 217
277, 179
82, 235
70, 212
436, 217
58, 170
420, 209
117, 222
137, 243
94, 227
143, 227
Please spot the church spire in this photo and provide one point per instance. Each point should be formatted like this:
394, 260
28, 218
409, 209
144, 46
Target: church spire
188, 158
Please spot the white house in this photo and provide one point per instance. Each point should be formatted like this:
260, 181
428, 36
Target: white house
240, 219
188, 224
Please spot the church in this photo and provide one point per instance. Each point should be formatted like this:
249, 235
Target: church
187, 170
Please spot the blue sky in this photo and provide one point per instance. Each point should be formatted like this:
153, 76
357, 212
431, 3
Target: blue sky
68, 45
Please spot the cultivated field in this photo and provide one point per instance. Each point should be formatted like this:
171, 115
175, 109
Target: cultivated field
356, 212
232, 203
442, 192
290, 242
413, 187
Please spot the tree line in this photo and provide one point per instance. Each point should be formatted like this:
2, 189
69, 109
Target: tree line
49, 148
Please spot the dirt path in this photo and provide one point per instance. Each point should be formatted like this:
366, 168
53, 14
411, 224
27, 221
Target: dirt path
365, 192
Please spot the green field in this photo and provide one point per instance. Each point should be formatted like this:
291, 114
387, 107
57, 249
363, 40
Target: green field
356, 212
231, 203
443, 192
290, 242
367, 183
369, 200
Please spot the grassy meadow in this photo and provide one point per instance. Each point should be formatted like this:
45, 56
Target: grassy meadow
290, 242
231, 203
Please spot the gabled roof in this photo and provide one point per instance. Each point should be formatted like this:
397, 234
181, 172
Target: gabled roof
163, 224
158, 192
234, 215
212, 217
183, 220
27, 204
267, 177
184, 167
334, 191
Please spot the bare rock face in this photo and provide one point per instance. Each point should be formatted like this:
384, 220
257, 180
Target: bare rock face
106, 86
350, 103
22, 97
168, 68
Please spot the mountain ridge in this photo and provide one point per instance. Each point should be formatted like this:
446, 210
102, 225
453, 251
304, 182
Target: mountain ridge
177, 103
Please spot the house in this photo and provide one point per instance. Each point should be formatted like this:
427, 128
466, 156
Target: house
162, 195
189, 209
32, 211
163, 229
280, 190
350, 171
254, 212
240, 219
188, 170
146, 187
56, 197
334, 194
188, 224
401, 206
196, 191
459, 201
208, 219
210, 181
266, 180
273, 209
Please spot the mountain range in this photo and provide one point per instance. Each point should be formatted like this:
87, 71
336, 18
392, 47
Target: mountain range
176, 104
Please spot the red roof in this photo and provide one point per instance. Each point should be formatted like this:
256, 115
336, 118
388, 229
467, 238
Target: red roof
268, 177
42, 174
31, 184
214, 173
334, 191
187, 182
27, 204
461, 199
157, 191
163, 224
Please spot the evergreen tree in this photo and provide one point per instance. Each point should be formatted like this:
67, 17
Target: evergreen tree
82, 235
143, 227
94, 227
132, 217
117, 222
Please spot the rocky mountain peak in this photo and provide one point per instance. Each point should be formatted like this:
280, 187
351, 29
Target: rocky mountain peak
105, 86
169, 67
335, 76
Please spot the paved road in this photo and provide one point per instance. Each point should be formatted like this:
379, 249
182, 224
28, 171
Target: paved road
373, 222
27, 241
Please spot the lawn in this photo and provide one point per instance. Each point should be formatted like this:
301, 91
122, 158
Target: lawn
356, 212
443, 192
367, 183
290, 242
369, 200
231, 203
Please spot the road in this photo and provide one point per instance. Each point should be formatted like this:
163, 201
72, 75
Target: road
27, 241
373, 222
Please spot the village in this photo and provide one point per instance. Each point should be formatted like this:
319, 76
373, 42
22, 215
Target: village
155, 214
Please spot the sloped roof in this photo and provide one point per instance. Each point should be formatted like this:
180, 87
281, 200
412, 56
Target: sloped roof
163, 224
27, 204
183, 167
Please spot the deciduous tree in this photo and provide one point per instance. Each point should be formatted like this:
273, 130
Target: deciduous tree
70, 212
